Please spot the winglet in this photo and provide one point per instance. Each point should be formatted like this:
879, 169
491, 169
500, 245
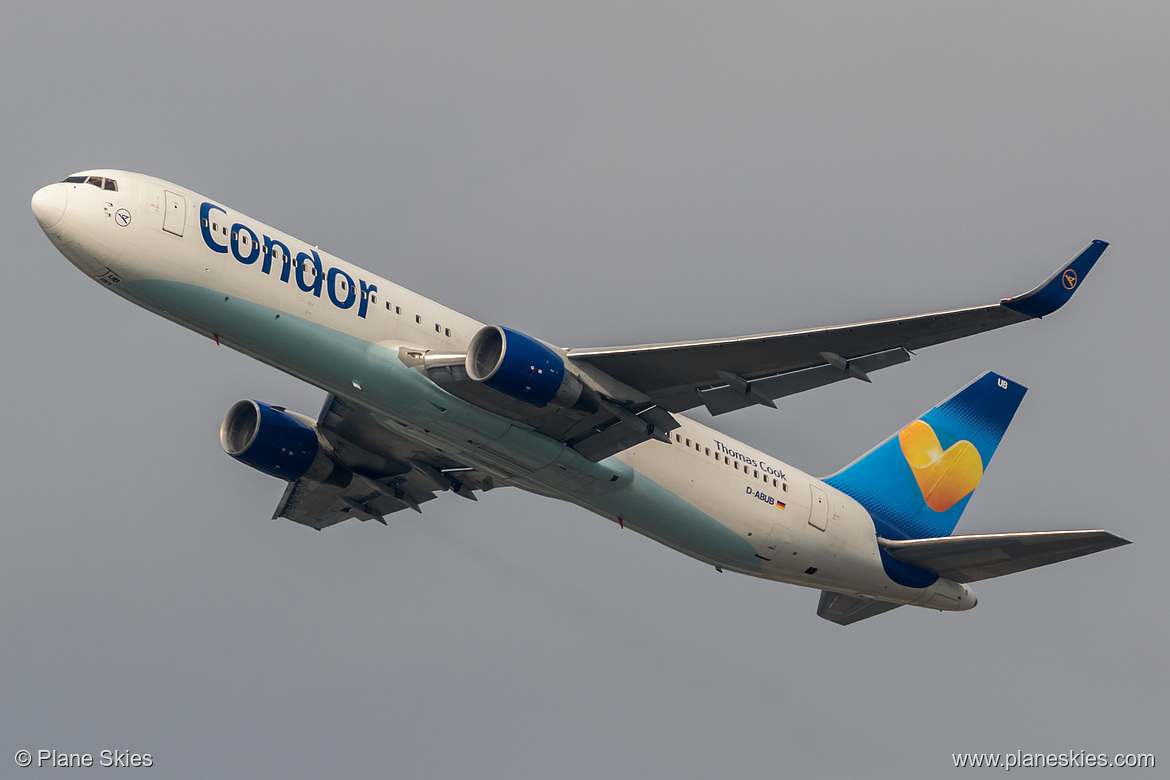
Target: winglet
1059, 287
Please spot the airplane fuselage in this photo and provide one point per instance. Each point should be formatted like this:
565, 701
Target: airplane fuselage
344, 329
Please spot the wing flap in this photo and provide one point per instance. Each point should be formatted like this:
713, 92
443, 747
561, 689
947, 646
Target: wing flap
727, 398
983, 556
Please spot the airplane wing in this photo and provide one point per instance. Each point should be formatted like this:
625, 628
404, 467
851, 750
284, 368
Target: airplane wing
983, 556
728, 374
390, 473
642, 385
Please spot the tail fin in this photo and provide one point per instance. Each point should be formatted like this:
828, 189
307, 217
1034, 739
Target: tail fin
917, 483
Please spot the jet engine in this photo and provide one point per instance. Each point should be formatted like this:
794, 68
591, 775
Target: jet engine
278, 442
524, 368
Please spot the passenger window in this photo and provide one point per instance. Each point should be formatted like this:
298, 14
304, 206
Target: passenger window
726, 460
418, 319
736, 464
205, 222
437, 329
698, 448
387, 305
756, 474
447, 332
373, 298
708, 450
397, 309
688, 442
785, 487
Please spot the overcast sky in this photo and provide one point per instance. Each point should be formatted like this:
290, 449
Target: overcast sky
615, 174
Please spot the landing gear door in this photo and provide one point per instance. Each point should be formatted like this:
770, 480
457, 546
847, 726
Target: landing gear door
819, 515
175, 213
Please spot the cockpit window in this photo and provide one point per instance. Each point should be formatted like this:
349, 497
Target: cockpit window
100, 182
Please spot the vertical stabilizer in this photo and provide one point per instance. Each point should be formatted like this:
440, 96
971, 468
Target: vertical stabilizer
917, 483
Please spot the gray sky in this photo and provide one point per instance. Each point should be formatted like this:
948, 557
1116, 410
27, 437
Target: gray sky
608, 175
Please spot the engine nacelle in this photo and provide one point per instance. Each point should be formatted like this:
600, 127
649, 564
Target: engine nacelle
279, 443
522, 367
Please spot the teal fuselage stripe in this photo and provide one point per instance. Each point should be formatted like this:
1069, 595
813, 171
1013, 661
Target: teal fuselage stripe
649, 508
332, 360
323, 356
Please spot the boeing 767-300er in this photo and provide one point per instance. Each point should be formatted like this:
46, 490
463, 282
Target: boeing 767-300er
422, 399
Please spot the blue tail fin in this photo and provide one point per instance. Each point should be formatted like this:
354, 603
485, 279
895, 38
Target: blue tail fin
917, 483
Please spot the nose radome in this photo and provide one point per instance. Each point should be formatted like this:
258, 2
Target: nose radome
48, 204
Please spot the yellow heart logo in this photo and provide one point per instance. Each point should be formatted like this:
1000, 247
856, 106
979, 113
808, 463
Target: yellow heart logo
944, 477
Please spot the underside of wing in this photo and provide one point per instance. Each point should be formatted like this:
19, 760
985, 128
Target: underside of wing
983, 556
623, 396
596, 431
389, 473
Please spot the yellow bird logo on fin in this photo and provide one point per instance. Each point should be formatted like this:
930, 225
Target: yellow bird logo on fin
945, 477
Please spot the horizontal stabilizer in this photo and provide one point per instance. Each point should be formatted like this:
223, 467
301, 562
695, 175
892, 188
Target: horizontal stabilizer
843, 610
983, 556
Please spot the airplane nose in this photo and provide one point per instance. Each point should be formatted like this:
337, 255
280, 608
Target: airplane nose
48, 204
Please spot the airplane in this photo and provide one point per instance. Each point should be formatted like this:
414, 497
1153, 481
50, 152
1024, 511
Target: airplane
423, 400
